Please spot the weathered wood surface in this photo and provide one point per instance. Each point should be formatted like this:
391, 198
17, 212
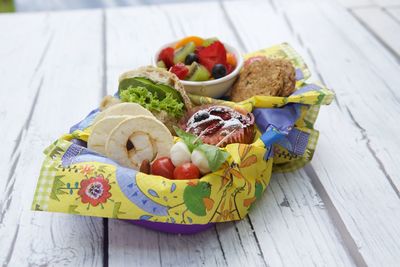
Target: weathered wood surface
383, 25
51, 74
364, 3
342, 210
395, 13
360, 176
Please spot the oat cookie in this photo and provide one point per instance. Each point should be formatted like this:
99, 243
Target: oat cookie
264, 76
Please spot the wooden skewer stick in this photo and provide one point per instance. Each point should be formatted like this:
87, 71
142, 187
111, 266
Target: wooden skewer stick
199, 136
223, 139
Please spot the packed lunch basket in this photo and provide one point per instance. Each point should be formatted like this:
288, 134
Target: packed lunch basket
285, 141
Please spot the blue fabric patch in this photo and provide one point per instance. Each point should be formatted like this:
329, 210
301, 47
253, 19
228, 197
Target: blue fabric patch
278, 124
85, 122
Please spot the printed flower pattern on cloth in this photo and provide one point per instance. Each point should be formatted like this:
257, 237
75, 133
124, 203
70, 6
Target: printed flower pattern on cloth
95, 190
86, 169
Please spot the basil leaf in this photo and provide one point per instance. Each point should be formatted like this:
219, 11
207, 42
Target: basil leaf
188, 138
215, 156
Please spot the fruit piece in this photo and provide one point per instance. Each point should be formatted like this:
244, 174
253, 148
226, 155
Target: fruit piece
218, 71
100, 131
186, 171
195, 39
209, 41
148, 136
161, 64
180, 70
230, 59
198, 48
180, 154
145, 167
192, 57
213, 54
199, 159
108, 101
163, 167
229, 68
133, 109
181, 54
198, 72
167, 56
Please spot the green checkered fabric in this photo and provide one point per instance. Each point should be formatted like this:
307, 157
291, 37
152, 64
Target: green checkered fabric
44, 185
48, 175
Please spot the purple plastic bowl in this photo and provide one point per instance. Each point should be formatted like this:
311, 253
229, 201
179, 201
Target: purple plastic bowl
172, 228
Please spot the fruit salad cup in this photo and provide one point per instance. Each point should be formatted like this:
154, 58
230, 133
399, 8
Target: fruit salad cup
206, 67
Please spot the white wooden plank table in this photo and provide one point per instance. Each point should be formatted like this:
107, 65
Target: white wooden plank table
341, 210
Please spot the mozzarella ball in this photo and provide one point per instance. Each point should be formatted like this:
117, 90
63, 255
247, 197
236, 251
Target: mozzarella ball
200, 160
180, 154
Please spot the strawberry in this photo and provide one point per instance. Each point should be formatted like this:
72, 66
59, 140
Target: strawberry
180, 70
211, 55
229, 68
167, 56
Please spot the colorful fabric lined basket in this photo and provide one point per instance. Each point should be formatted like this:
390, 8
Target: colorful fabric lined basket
285, 141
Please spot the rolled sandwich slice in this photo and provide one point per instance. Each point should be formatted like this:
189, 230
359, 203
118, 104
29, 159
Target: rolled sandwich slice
157, 90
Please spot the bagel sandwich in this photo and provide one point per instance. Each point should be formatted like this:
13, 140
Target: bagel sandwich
157, 90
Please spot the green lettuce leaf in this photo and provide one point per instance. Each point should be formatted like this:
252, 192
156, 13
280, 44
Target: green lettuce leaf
146, 99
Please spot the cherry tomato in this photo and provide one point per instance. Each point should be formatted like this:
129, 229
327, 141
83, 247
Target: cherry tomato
186, 171
213, 54
145, 167
167, 56
163, 167
180, 70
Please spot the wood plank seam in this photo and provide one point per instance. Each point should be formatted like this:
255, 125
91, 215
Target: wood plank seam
256, 238
334, 215
232, 26
321, 79
243, 48
386, 11
362, 130
36, 69
7, 196
158, 247
104, 50
220, 245
373, 153
11, 248
376, 36
105, 242
359, 129
344, 235
19, 228
9, 183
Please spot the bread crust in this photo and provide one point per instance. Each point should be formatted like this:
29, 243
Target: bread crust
159, 75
